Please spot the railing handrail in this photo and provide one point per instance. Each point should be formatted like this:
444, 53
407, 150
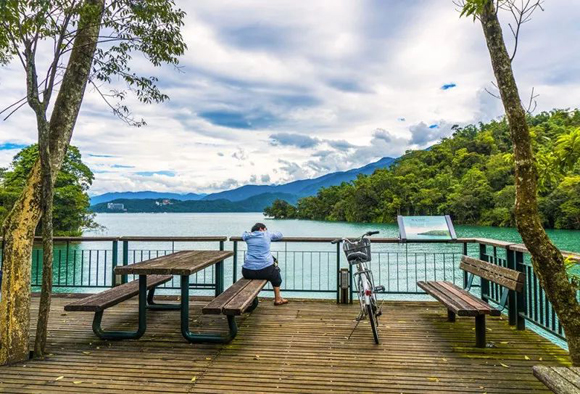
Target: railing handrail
373, 240
512, 246
137, 238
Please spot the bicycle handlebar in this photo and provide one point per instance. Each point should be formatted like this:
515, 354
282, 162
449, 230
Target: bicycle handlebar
367, 234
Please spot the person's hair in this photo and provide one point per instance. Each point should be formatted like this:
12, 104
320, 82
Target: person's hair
258, 227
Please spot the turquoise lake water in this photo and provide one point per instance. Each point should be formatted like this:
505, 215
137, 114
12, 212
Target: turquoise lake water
229, 224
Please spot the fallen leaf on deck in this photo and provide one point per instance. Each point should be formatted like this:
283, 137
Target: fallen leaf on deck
78, 382
526, 357
434, 379
503, 365
504, 343
59, 378
87, 353
194, 379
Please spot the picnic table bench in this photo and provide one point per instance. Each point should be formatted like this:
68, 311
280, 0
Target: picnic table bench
460, 302
151, 274
99, 302
561, 380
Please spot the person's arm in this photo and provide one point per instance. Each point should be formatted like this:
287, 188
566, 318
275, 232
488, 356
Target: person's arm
245, 235
276, 236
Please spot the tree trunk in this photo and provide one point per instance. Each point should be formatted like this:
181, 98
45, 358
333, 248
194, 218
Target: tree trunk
547, 260
20, 224
47, 244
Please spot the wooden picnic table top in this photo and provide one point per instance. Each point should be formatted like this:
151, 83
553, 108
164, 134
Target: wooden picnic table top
185, 262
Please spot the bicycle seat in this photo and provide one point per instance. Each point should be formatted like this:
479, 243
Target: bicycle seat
357, 256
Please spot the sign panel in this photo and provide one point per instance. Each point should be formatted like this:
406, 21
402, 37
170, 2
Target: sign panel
412, 228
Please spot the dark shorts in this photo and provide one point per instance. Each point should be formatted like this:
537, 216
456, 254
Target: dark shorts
271, 273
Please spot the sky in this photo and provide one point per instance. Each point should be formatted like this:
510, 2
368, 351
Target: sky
274, 91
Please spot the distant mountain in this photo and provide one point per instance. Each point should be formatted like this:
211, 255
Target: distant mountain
291, 191
301, 188
108, 197
253, 204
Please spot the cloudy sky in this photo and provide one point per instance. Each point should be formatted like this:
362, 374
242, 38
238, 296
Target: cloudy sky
279, 90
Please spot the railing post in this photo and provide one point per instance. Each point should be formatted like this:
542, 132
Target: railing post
235, 265
125, 260
484, 282
115, 253
219, 274
464, 273
512, 304
338, 278
521, 296
67, 254
351, 291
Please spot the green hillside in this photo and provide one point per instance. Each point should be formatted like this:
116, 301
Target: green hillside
468, 176
253, 204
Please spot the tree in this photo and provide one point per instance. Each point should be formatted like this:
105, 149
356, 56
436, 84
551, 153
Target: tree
71, 208
547, 260
90, 41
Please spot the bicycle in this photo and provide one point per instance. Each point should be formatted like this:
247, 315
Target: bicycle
358, 252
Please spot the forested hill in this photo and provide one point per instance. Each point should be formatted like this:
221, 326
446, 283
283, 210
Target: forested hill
468, 175
253, 204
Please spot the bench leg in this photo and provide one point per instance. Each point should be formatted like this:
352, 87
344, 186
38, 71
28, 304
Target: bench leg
450, 316
480, 331
159, 307
116, 335
201, 338
253, 306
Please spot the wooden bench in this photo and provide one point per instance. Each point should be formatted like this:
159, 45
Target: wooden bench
99, 302
561, 380
239, 298
460, 302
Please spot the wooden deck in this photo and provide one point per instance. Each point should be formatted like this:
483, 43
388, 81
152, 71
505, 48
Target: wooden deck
299, 347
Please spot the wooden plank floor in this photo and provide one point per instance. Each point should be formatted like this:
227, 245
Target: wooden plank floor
297, 348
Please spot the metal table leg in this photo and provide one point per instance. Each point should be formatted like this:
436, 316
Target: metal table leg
151, 304
198, 338
115, 335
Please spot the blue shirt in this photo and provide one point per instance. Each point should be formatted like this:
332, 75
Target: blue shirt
258, 255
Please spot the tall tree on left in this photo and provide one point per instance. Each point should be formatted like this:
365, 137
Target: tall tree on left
83, 42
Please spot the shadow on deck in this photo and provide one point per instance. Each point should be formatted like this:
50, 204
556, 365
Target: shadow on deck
300, 347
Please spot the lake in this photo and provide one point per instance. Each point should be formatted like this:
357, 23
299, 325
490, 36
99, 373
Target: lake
229, 224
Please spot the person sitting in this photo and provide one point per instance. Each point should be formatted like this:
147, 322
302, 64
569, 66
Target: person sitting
259, 262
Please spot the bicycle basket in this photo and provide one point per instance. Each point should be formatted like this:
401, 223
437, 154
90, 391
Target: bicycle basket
358, 250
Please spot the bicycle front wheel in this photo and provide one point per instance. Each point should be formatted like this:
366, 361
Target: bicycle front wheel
374, 323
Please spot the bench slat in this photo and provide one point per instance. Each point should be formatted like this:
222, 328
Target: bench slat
108, 298
458, 300
216, 306
570, 375
450, 303
503, 276
244, 298
553, 380
475, 302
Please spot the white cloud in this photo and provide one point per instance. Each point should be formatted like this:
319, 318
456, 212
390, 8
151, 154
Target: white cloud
326, 77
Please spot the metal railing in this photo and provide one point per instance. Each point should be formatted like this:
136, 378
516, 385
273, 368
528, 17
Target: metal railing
531, 305
310, 267
85, 263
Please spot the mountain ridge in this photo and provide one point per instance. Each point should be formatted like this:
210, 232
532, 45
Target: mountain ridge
297, 189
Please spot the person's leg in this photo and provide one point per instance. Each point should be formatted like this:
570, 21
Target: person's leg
276, 280
278, 297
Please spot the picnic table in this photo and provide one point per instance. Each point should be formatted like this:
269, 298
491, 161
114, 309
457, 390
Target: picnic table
152, 273
183, 264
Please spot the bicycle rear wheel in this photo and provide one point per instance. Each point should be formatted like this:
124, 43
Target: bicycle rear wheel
374, 323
